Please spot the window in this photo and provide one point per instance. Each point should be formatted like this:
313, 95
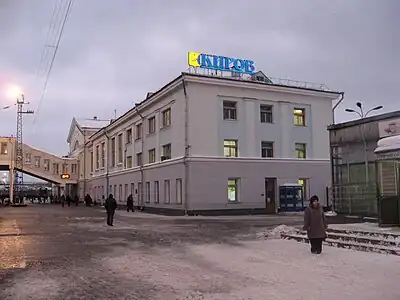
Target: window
233, 186
37, 161
304, 187
147, 192
55, 169
46, 164
74, 169
65, 168
133, 189
129, 136
166, 149
140, 193
120, 145
152, 156
300, 150
156, 192
139, 161
113, 152
230, 148
167, 192
166, 117
229, 108
97, 157
179, 191
139, 131
126, 191
267, 149
103, 154
299, 117
120, 196
151, 125
129, 162
91, 161
266, 113
28, 158
4, 149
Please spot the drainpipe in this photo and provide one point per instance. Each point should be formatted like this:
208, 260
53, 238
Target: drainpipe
140, 205
336, 105
186, 144
107, 163
84, 165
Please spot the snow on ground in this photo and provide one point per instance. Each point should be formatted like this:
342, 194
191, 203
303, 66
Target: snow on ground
277, 232
369, 227
268, 269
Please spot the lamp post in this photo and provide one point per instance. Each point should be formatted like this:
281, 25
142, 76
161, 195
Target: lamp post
363, 115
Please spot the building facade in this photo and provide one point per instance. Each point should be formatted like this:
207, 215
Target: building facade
354, 173
208, 144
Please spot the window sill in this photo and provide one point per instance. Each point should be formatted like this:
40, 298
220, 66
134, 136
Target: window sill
234, 202
138, 139
165, 127
231, 120
267, 122
119, 164
151, 133
299, 125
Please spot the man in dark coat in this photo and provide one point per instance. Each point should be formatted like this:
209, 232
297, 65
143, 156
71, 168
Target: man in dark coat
110, 206
129, 203
315, 225
69, 200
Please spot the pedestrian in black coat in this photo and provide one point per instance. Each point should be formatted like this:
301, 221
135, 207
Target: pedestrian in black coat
129, 203
110, 206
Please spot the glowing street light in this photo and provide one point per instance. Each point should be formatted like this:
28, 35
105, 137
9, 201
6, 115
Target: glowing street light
13, 92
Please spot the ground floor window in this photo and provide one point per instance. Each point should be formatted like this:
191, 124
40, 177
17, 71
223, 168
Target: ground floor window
304, 187
167, 192
179, 191
156, 192
140, 193
147, 192
233, 189
120, 196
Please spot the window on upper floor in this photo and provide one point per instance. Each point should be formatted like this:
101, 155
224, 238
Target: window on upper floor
113, 152
129, 162
55, 169
300, 150
267, 149
166, 117
151, 125
299, 115
97, 157
166, 152
266, 113
152, 156
230, 148
28, 158
120, 148
91, 161
46, 164
74, 169
65, 168
129, 136
37, 161
138, 135
4, 149
229, 110
103, 154
139, 159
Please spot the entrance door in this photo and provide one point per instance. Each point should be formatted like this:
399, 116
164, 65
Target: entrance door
270, 195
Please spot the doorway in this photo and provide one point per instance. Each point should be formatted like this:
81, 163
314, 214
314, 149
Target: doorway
270, 195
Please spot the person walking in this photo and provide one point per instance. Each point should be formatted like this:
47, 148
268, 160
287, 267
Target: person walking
315, 225
129, 203
110, 206
69, 200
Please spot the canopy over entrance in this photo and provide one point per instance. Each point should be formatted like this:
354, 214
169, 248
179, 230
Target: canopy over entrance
388, 148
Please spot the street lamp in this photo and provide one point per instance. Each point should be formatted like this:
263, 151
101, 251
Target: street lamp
363, 115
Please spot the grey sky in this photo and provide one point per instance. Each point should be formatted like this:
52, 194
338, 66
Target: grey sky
113, 52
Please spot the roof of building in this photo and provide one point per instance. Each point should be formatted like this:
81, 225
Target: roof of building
377, 118
92, 123
290, 84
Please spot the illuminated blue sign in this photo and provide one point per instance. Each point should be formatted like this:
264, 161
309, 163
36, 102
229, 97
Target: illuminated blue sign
220, 63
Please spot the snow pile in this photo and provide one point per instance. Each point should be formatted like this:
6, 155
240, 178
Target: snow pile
277, 232
331, 214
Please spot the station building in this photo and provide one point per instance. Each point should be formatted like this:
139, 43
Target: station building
211, 144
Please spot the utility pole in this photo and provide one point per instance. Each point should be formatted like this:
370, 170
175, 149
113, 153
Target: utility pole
19, 153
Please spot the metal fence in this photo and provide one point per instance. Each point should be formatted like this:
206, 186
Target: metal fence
354, 199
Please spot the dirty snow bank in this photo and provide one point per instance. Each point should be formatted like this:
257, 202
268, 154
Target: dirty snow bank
276, 232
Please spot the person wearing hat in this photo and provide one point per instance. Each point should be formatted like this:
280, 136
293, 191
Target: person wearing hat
315, 225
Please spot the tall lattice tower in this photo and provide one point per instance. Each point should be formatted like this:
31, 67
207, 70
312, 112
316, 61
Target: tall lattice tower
19, 151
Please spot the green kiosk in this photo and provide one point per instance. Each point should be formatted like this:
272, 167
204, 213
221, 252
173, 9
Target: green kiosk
388, 180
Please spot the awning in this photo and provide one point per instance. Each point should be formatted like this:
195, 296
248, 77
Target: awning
388, 148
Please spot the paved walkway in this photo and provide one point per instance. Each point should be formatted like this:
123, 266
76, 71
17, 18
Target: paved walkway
49, 252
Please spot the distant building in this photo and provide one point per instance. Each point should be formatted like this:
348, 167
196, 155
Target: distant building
352, 149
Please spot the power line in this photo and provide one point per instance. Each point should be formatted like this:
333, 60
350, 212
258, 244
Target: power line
70, 3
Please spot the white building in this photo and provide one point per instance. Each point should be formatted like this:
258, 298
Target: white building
208, 144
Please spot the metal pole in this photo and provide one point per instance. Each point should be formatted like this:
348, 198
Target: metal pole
365, 153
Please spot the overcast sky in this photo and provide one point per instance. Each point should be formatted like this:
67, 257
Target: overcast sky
113, 52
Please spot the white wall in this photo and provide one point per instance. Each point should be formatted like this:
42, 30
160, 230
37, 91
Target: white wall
208, 129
